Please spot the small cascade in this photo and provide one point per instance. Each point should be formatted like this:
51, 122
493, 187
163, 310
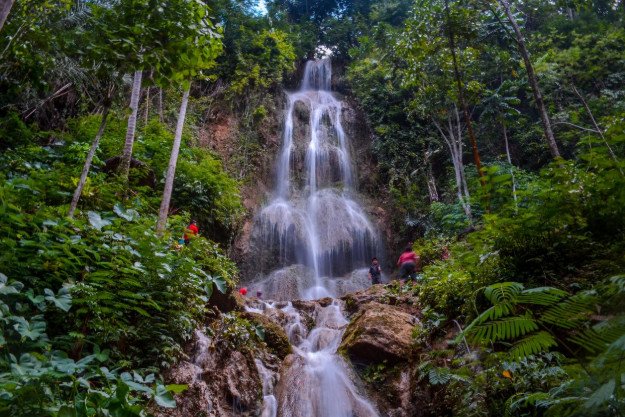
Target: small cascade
314, 223
270, 404
318, 382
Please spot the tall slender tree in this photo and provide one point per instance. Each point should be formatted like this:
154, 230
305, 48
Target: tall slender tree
89, 159
124, 165
171, 168
5, 9
533, 80
461, 96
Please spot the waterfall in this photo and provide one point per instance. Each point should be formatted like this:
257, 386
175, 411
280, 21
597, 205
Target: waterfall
313, 240
314, 226
317, 382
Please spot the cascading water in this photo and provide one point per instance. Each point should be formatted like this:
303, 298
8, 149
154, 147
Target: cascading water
317, 382
313, 233
317, 240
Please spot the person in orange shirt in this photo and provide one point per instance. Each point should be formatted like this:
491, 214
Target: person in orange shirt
192, 229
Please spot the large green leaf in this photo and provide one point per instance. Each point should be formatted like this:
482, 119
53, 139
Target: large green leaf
63, 300
97, 221
164, 397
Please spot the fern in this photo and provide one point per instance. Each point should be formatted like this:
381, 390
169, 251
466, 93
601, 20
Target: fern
545, 296
505, 291
505, 329
529, 318
571, 312
533, 344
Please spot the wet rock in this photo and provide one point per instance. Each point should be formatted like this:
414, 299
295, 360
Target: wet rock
377, 333
275, 337
383, 294
285, 284
220, 383
226, 302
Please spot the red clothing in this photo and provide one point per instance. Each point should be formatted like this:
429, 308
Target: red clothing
408, 257
193, 229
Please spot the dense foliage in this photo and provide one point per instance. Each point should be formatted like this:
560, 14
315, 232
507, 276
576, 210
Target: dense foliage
525, 254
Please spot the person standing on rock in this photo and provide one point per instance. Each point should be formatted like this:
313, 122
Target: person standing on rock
408, 263
375, 271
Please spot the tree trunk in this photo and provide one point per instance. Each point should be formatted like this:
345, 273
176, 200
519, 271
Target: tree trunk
598, 129
87, 166
463, 102
171, 169
453, 141
429, 175
538, 97
5, 8
146, 116
124, 166
160, 105
505, 139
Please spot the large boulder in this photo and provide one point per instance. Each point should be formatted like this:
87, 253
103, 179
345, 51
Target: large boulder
377, 333
276, 339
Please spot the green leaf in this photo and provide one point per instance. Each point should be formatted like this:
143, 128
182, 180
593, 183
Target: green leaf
220, 283
33, 330
66, 411
130, 215
163, 397
62, 301
533, 344
176, 388
97, 221
602, 395
12, 288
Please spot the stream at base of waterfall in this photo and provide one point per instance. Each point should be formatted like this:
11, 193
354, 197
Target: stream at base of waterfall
316, 241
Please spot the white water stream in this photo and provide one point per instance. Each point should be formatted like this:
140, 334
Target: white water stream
319, 238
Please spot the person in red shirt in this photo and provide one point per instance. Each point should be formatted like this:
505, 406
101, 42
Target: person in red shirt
408, 263
191, 229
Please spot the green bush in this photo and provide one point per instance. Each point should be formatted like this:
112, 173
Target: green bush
203, 188
37, 380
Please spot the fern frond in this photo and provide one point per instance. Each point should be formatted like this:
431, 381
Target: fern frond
508, 328
569, 313
601, 395
533, 344
618, 282
439, 376
494, 312
589, 340
504, 291
561, 407
518, 402
611, 329
544, 296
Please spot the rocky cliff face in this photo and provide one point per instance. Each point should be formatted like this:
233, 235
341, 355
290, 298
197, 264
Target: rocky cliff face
226, 132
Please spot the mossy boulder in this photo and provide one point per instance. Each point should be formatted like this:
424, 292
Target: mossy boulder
276, 339
379, 332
